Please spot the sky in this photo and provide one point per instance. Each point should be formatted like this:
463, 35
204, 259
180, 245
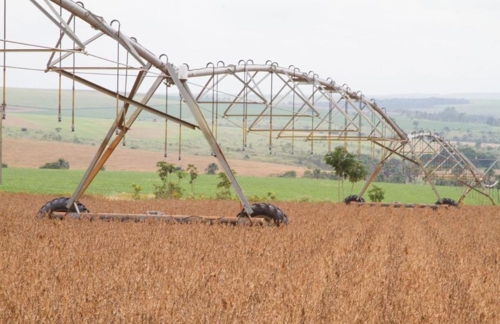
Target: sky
383, 47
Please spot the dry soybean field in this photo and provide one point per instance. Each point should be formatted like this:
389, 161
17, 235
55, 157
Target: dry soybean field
332, 264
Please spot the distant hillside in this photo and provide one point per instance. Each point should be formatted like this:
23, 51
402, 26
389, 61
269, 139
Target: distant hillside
418, 103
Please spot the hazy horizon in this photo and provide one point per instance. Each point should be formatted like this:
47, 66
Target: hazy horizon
382, 48
477, 95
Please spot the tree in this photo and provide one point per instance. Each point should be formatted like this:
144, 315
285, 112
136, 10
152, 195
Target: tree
168, 189
340, 160
411, 171
165, 170
357, 172
181, 174
193, 174
212, 168
224, 186
345, 165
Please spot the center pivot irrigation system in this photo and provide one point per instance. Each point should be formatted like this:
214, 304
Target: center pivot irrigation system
278, 103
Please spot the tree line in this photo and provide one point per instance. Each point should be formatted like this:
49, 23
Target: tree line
450, 114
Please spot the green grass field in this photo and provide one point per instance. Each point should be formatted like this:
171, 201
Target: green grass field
119, 184
95, 113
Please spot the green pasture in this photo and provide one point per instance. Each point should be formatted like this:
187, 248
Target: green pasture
478, 106
95, 113
455, 128
94, 117
119, 184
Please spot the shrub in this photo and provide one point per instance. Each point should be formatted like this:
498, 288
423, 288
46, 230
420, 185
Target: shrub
376, 194
168, 189
4, 165
224, 187
288, 174
193, 174
137, 191
59, 164
270, 196
52, 137
212, 168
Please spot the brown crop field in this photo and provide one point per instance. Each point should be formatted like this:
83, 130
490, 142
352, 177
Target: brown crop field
332, 264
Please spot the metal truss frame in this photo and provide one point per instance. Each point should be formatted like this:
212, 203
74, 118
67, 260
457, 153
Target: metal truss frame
441, 160
283, 103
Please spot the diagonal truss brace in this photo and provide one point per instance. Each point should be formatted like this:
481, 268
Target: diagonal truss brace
103, 154
205, 129
61, 24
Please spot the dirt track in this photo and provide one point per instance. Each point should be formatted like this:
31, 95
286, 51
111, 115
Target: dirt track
33, 154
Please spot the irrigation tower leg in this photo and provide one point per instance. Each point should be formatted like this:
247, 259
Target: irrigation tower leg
1, 143
205, 129
474, 188
427, 175
379, 166
102, 156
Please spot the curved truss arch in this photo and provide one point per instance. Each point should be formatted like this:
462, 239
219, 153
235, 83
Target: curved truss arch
333, 113
311, 108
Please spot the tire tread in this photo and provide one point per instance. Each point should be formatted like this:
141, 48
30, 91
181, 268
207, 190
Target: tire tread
59, 205
267, 211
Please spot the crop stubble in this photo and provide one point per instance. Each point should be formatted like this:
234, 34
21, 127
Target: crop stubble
333, 263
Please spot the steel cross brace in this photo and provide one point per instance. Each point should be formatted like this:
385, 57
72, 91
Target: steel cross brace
101, 155
61, 23
471, 188
205, 129
426, 173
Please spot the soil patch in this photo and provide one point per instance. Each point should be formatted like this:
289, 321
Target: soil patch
32, 154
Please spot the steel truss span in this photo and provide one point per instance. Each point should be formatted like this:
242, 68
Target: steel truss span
280, 103
441, 160
293, 104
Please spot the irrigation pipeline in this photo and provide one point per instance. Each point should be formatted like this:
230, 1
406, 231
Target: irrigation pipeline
160, 217
365, 121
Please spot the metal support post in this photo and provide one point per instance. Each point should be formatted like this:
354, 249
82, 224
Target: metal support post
385, 156
426, 174
1, 142
205, 129
4, 86
473, 188
102, 156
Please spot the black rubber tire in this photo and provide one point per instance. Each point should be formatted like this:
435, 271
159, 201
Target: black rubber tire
267, 211
353, 198
447, 201
59, 205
